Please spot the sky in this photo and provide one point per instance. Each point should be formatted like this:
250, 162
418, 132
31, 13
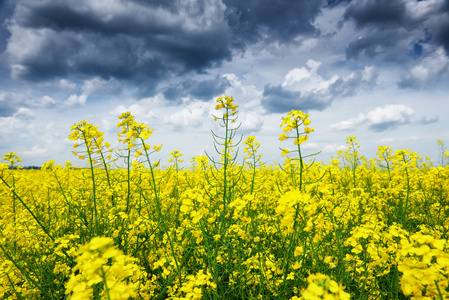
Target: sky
375, 69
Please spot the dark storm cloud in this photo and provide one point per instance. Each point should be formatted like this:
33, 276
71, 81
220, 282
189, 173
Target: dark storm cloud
383, 13
381, 43
6, 9
280, 20
332, 3
277, 99
128, 41
202, 90
442, 33
145, 41
96, 42
387, 27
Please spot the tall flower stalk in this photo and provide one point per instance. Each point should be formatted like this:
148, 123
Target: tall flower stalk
291, 125
88, 135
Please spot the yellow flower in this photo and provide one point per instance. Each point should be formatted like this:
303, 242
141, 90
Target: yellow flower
322, 287
12, 158
301, 139
309, 130
100, 262
138, 153
285, 151
283, 137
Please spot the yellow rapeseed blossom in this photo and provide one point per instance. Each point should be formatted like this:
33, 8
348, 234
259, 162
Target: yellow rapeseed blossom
322, 287
291, 123
12, 158
226, 103
100, 263
374, 228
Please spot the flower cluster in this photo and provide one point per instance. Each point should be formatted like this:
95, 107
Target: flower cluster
322, 287
103, 271
292, 122
131, 130
175, 156
226, 103
12, 158
251, 146
84, 133
194, 285
425, 267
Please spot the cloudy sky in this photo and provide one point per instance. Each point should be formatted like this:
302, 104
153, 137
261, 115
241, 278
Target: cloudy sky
376, 69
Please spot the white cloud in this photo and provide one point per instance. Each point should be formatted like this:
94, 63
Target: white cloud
329, 20
240, 91
348, 124
386, 140
192, 116
310, 146
100, 86
75, 101
24, 114
420, 10
333, 148
118, 110
430, 69
43, 102
19, 48
378, 119
399, 114
36, 151
14, 127
304, 87
13, 100
147, 111
251, 122
428, 120
369, 74
66, 85
308, 45
307, 79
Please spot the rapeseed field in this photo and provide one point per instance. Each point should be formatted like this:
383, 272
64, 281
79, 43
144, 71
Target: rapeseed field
355, 228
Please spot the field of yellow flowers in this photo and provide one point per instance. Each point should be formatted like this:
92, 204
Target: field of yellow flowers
224, 229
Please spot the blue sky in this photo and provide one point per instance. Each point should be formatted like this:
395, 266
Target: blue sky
376, 69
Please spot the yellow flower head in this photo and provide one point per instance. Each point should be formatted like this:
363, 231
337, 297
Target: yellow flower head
322, 287
12, 158
292, 122
285, 151
227, 103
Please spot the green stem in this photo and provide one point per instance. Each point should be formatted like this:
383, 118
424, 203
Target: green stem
301, 163
93, 183
161, 216
128, 161
26, 274
29, 210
